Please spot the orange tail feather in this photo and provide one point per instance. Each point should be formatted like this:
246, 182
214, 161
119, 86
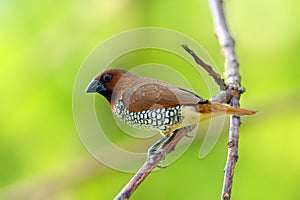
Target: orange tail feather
214, 107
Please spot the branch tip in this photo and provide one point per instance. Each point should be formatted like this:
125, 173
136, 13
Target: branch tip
206, 67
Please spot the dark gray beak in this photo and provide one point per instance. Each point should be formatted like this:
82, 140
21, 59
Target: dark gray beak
95, 86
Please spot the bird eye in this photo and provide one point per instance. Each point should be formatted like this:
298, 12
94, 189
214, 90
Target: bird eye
106, 78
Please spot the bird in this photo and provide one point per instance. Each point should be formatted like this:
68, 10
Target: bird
151, 104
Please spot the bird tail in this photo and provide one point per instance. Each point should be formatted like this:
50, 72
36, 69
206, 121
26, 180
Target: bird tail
218, 108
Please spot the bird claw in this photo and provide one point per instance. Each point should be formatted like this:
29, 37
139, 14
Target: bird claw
161, 166
152, 153
189, 136
155, 146
156, 152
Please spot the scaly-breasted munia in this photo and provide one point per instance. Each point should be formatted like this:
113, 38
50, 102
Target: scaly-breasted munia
152, 104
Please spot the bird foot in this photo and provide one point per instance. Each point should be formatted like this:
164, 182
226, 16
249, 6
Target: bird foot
154, 147
153, 155
155, 150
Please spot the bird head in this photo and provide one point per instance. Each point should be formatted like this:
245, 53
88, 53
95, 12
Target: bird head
110, 83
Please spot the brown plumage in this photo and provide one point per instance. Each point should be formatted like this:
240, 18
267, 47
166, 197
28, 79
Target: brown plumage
152, 104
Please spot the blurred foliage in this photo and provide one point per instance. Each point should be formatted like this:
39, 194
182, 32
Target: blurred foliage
43, 44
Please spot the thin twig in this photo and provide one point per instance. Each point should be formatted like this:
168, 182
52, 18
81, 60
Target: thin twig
233, 79
207, 67
226, 93
151, 163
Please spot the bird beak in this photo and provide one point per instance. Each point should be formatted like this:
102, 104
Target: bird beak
95, 86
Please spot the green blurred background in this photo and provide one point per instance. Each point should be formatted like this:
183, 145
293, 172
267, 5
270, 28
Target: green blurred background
43, 45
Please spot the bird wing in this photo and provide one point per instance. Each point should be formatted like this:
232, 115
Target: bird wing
151, 94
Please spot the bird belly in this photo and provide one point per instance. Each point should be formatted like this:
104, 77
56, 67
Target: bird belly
163, 119
192, 116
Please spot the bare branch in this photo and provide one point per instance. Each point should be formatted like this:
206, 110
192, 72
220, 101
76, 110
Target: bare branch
152, 162
233, 79
224, 96
226, 42
207, 67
